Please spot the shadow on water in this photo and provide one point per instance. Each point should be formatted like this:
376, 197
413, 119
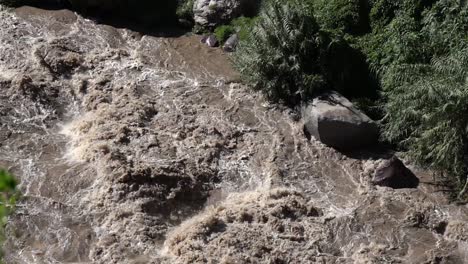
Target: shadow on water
44, 4
164, 26
374, 152
169, 31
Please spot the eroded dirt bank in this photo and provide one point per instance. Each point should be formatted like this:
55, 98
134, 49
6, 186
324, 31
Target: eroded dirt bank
140, 149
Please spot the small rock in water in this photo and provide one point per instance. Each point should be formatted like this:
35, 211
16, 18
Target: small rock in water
394, 174
231, 43
210, 40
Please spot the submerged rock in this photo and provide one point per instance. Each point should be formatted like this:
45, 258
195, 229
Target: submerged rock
58, 59
394, 174
334, 121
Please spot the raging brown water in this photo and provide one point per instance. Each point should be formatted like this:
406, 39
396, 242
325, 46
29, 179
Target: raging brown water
141, 149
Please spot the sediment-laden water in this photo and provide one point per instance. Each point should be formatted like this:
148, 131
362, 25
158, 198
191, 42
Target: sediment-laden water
142, 149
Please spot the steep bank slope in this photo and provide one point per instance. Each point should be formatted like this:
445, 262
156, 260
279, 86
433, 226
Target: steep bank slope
138, 149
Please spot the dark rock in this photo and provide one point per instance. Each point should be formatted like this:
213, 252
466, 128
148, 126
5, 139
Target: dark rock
335, 121
231, 43
440, 227
211, 41
394, 174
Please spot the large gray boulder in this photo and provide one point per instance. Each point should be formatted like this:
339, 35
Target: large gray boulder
211, 13
334, 121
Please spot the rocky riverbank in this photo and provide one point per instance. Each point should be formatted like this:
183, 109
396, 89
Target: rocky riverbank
132, 148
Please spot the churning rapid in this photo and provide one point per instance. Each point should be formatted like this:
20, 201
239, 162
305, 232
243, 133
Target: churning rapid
147, 149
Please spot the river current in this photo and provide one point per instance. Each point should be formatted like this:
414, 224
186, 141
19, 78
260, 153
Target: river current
134, 148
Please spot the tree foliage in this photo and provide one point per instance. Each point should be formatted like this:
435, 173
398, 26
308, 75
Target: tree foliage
241, 25
185, 9
426, 112
426, 96
350, 16
282, 56
223, 32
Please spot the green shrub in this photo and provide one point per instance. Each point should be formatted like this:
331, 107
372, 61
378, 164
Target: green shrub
8, 196
282, 55
426, 113
397, 33
350, 16
185, 9
382, 12
398, 42
224, 32
445, 27
241, 25
425, 89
